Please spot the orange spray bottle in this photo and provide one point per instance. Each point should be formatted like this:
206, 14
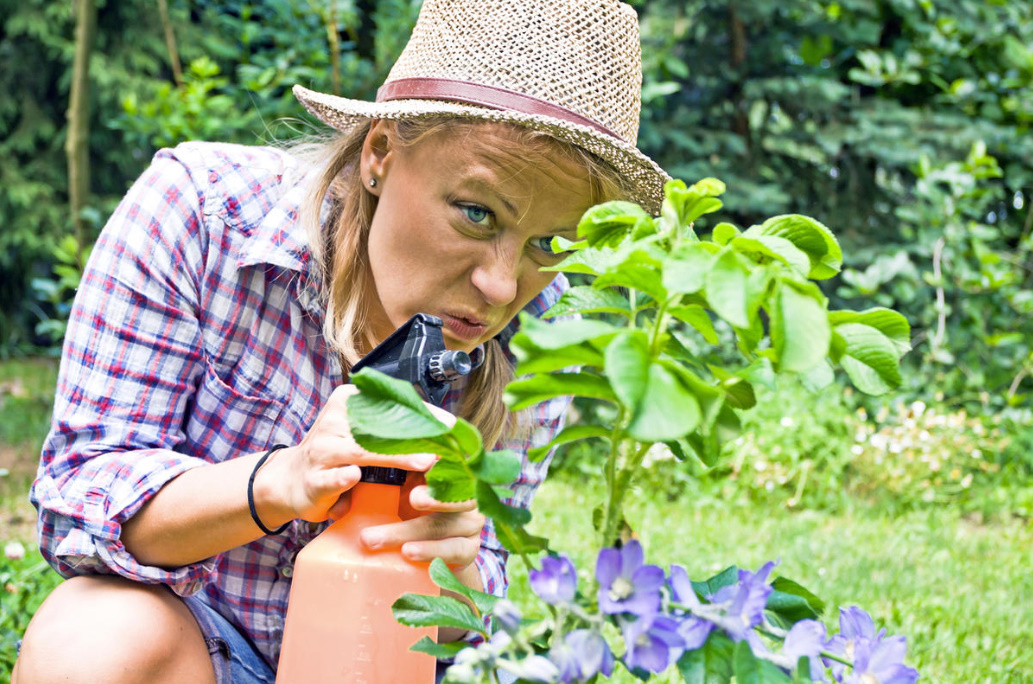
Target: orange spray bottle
339, 623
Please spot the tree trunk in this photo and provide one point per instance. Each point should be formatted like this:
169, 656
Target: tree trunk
77, 148
170, 43
737, 58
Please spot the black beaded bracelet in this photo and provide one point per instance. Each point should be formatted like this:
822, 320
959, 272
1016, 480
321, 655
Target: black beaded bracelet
251, 492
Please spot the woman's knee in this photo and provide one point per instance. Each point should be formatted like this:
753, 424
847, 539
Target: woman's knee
112, 630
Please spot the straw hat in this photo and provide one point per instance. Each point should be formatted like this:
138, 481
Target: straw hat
572, 68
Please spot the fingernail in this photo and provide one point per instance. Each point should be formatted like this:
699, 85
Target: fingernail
372, 540
425, 462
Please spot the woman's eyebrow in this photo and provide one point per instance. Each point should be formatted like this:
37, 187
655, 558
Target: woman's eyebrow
489, 187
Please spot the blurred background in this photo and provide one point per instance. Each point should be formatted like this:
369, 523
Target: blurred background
903, 125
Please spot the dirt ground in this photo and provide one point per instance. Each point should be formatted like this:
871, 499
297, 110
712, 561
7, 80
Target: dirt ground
17, 516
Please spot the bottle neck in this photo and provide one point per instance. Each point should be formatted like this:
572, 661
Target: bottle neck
371, 498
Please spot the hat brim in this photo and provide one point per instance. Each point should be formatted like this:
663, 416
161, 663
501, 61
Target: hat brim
645, 176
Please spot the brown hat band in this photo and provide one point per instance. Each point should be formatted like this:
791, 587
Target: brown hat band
483, 95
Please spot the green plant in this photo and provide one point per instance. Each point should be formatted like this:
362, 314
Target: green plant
25, 580
662, 288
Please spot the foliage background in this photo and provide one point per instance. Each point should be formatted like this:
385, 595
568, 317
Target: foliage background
904, 125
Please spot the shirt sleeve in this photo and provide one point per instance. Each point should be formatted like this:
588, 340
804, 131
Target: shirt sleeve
131, 362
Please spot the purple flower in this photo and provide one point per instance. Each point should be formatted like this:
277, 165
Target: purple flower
533, 668
625, 584
744, 602
877, 659
881, 662
652, 643
693, 630
806, 638
507, 615
556, 582
582, 655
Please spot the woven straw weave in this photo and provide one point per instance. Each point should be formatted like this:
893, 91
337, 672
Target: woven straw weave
582, 55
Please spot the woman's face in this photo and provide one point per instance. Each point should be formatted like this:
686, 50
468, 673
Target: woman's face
462, 227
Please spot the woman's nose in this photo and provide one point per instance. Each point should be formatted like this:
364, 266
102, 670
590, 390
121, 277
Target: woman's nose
496, 275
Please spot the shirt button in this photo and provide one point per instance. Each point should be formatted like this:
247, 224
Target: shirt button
287, 571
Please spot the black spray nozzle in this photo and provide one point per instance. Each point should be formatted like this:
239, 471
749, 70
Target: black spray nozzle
415, 353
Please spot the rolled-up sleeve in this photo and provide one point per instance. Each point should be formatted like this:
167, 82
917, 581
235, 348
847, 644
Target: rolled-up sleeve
130, 365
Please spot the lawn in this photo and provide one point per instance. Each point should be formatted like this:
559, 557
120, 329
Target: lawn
958, 587
961, 591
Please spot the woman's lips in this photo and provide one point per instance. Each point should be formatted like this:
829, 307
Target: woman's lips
465, 329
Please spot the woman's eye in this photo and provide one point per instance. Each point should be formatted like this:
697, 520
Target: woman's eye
476, 213
545, 244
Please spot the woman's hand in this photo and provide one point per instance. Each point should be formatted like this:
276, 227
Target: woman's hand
311, 481
450, 531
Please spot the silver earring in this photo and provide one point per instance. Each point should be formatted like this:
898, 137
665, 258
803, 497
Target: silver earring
372, 182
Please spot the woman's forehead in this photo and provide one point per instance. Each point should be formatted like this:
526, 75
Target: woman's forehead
511, 153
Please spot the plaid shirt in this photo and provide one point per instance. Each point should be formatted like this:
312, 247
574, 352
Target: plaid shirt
196, 337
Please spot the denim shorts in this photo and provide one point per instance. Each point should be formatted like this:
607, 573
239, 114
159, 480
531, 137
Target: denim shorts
234, 658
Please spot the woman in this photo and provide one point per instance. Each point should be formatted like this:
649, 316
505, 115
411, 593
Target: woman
210, 325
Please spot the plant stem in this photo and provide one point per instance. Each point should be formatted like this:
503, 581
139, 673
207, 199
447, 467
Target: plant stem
614, 510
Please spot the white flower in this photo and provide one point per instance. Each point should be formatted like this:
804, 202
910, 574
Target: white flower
14, 550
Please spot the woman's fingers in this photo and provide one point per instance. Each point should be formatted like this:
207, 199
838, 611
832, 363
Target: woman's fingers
421, 500
455, 551
425, 528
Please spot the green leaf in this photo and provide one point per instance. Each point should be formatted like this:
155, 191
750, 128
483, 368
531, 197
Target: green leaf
416, 610
386, 407
534, 360
777, 248
509, 522
585, 299
784, 600
639, 270
667, 409
724, 233
450, 480
439, 651
738, 391
590, 261
890, 323
571, 433
726, 284
684, 205
818, 377
498, 467
698, 318
709, 664
810, 237
685, 270
608, 224
492, 506
869, 358
469, 438
527, 392
745, 664
800, 332
749, 669
444, 578
627, 366
709, 587
518, 540
560, 334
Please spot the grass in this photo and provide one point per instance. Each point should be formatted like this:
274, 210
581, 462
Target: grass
961, 592
959, 589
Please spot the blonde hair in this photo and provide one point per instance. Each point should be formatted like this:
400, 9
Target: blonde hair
339, 242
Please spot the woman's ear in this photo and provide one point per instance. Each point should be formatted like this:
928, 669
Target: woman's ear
377, 155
